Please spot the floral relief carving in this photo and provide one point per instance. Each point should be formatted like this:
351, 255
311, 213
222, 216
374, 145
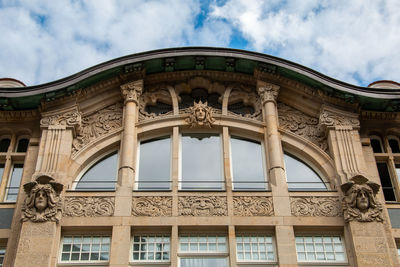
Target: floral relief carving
70, 118
152, 206
252, 206
329, 118
98, 124
131, 91
151, 98
43, 201
315, 206
360, 203
268, 92
202, 206
303, 125
88, 206
201, 115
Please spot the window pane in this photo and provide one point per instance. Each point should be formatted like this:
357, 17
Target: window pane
151, 247
376, 145
247, 165
387, 187
300, 176
4, 144
201, 162
85, 249
204, 262
15, 180
325, 249
101, 176
22, 145
1, 171
154, 164
260, 248
394, 145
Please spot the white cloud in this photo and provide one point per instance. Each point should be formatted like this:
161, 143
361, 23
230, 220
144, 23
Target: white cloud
342, 39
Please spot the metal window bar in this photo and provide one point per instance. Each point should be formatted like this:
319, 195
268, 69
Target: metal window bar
101, 185
157, 185
303, 186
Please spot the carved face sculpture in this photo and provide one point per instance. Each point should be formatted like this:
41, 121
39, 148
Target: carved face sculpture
200, 114
41, 200
362, 199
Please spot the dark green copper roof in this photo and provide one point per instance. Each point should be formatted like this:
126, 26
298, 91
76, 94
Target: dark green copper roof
192, 58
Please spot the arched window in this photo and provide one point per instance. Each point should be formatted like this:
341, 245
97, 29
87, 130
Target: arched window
101, 175
4, 144
376, 144
22, 145
394, 144
302, 177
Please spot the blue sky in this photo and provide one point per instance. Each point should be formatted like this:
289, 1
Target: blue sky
356, 41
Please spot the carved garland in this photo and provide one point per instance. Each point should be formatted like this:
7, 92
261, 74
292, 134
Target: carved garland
88, 206
315, 206
152, 206
96, 125
252, 206
202, 206
303, 125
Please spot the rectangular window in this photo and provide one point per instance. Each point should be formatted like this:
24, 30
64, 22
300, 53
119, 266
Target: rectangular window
154, 164
247, 165
255, 248
2, 254
387, 186
201, 162
322, 249
14, 182
85, 249
151, 248
203, 250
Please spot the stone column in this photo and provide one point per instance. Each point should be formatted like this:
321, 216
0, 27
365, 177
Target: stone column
286, 249
364, 232
121, 240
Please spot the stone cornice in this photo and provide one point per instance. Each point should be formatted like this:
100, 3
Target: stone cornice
19, 115
332, 117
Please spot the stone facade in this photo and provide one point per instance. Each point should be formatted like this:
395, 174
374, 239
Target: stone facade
68, 135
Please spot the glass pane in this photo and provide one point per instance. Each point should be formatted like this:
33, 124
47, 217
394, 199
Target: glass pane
155, 164
203, 262
101, 176
387, 187
376, 145
15, 180
22, 145
4, 144
394, 145
201, 162
1, 171
247, 165
300, 176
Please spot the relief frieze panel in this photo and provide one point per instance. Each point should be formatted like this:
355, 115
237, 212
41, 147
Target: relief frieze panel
252, 206
152, 206
303, 125
202, 206
98, 124
88, 206
315, 206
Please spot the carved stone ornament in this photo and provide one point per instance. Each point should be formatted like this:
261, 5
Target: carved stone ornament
303, 125
360, 203
200, 115
96, 125
152, 206
88, 206
332, 118
131, 91
152, 98
248, 99
43, 202
202, 206
268, 92
315, 206
69, 118
253, 206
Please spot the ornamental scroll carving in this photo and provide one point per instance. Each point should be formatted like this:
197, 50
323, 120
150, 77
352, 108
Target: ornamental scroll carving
43, 201
131, 91
303, 125
315, 206
88, 206
201, 115
96, 125
252, 206
360, 203
202, 206
268, 92
152, 98
248, 99
70, 118
152, 206
336, 118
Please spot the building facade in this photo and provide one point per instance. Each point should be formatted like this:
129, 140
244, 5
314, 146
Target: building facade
199, 157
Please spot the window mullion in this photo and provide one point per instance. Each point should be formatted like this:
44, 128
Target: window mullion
6, 177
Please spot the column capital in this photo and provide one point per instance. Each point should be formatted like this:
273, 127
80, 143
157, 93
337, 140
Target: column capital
65, 118
267, 91
332, 117
132, 90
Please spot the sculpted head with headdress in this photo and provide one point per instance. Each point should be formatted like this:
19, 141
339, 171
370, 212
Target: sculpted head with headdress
200, 115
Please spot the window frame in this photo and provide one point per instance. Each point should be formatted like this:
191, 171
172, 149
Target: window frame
149, 262
92, 163
245, 262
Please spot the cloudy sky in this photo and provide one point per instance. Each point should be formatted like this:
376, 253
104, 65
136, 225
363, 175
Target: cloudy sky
356, 41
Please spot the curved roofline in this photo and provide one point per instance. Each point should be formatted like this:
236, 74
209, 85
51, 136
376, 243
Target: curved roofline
200, 51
